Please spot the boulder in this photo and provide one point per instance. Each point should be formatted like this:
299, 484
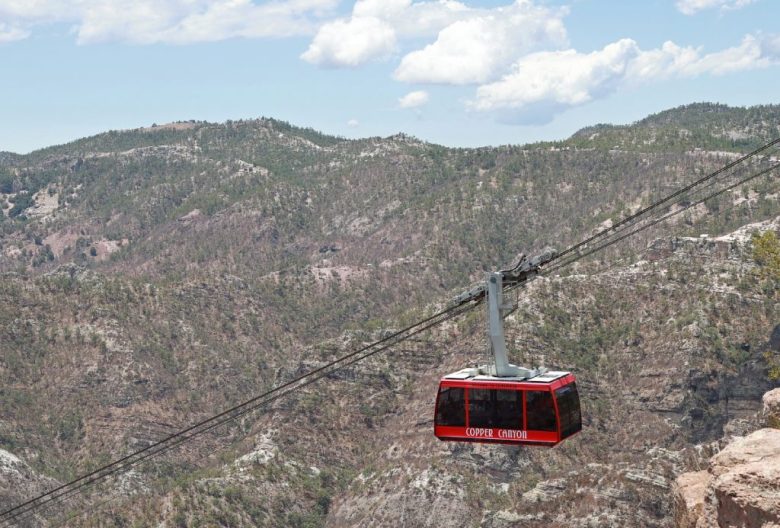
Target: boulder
746, 488
689, 492
740, 489
771, 408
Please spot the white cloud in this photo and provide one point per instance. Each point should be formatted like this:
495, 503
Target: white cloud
170, 21
386, 9
691, 7
353, 123
11, 33
479, 48
418, 19
413, 99
372, 31
475, 42
545, 83
672, 60
351, 42
560, 77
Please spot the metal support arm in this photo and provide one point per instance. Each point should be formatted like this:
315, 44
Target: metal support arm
523, 271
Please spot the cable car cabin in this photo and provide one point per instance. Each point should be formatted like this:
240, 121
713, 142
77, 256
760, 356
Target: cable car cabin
540, 410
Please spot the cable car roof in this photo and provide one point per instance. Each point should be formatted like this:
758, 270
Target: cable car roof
473, 374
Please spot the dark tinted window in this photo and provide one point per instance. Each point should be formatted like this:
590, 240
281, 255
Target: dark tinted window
569, 409
502, 409
540, 412
452, 407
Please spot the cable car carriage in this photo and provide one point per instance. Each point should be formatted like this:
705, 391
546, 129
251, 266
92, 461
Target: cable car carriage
503, 403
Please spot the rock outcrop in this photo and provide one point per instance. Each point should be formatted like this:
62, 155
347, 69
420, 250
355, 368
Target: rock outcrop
771, 408
690, 490
740, 489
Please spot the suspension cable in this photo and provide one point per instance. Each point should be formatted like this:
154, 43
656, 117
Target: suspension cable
630, 232
666, 199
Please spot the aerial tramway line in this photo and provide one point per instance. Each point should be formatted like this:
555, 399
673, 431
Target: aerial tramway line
493, 403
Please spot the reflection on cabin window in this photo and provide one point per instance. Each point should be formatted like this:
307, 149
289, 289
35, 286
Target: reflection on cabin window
540, 411
492, 408
452, 407
569, 409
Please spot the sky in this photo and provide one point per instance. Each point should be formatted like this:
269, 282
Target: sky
453, 72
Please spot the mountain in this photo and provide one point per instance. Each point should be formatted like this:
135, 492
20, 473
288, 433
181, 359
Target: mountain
703, 125
154, 277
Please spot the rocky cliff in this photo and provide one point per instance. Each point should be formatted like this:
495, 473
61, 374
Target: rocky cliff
741, 486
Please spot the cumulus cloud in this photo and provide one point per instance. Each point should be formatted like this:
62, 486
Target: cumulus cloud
415, 19
543, 84
386, 9
351, 42
353, 123
372, 31
564, 78
413, 99
691, 7
671, 60
477, 49
170, 21
474, 42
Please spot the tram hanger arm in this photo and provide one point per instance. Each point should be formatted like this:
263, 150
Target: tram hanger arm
523, 270
526, 268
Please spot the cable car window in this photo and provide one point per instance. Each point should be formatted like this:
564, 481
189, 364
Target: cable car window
509, 409
540, 411
569, 409
502, 409
452, 407
480, 413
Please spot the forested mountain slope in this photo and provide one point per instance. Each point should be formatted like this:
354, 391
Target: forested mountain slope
153, 277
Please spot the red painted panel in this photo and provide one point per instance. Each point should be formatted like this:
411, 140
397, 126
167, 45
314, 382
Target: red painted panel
504, 436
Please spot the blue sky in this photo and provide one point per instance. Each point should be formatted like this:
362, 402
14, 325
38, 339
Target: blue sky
459, 73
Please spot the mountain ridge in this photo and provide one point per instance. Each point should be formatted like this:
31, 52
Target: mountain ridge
691, 113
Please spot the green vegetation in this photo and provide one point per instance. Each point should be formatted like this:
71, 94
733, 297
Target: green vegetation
773, 364
766, 253
250, 252
21, 202
6, 181
703, 126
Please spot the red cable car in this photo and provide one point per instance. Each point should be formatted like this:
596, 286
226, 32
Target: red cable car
541, 410
504, 403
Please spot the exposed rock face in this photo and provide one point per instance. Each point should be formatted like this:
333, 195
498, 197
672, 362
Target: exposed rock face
690, 490
771, 410
18, 480
741, 488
